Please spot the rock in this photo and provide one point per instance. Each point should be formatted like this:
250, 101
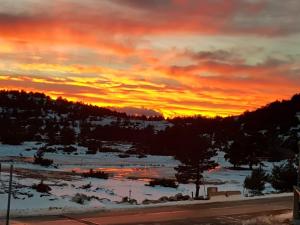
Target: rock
178, 197
172, 199
80, 198
124, 199
186, 198
132, 202
148, 201
163, 199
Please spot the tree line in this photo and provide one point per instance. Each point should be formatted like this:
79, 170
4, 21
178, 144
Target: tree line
268, 133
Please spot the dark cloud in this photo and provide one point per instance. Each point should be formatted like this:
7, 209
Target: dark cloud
146, 4
217, 55
93, 18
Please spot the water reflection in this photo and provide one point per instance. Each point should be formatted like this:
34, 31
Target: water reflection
136, 173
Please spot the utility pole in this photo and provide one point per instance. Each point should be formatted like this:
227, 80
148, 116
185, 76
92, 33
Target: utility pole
298, 178
9, 194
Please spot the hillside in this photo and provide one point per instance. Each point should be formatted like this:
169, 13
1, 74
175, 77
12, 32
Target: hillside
94, 158
37, 117
271, 130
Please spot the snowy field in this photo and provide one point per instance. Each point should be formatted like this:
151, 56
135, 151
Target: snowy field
128, 177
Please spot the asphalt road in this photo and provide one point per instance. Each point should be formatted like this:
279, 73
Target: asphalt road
201, 214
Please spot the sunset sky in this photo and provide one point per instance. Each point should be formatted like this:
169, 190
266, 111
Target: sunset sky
177, 57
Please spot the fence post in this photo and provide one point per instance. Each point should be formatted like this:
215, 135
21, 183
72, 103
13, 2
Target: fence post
9, 194
129, 197
296, 215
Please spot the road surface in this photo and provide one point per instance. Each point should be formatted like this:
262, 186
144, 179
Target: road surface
200, 214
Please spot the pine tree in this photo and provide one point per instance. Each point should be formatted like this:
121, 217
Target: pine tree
67, 136
236, 155
245, 150
195, 158
256, 181
284, 177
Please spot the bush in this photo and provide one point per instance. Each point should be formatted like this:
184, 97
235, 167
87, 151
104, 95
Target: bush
284, 177
107, 149
69, 149
91, 151
13, 137
256, 181
86, 186
163, 182
47, 149
96, 174
125, 155
129, 200
140, 156
93, 145
41, 187
82, 198
41, 161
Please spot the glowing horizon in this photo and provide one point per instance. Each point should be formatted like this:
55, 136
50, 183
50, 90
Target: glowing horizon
174, 57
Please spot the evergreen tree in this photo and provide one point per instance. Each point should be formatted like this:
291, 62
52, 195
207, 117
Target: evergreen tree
67, 136
195, 157
85, 132
51, 133
236, 155
245, 150
256, 181
284, 177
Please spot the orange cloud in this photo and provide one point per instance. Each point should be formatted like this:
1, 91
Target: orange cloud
144, 55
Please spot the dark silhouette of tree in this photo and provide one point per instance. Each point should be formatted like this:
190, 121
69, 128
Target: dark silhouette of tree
284, 177
262, 133
67, 136
236, 155
245, 149
195, 154
14, 134
256, 181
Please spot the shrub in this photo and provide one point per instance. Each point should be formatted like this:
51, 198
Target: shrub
256, 181
140, 156
13, 137
38, 159
69, 149
47, 149
96, 174
284, 177
163, 182
125, 155
93, 145
91, 151
129, 200
107, 149
82, 198
41, 187
86, 186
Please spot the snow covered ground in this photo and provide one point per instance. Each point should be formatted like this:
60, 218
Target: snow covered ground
133, 123
281, 219
128, 177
